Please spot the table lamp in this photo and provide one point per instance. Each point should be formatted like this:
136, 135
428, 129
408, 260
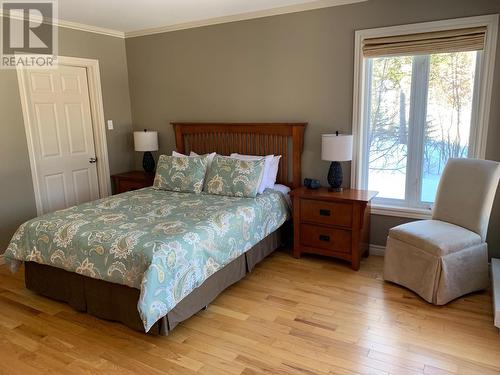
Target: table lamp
336, 148
146, 141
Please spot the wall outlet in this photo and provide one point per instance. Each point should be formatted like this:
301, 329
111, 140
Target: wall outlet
110, 125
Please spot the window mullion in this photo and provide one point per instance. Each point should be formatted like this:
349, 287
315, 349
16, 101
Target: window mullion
416, 128
365, 144
474, 136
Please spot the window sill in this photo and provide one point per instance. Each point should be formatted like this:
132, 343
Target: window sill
410, 213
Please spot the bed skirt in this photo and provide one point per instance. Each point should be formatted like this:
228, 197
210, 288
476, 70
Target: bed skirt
118, 303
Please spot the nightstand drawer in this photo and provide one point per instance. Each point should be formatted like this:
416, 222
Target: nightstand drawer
329, 213
336, 240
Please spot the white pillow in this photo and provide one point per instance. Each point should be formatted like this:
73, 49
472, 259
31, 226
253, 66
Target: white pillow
273, 172
281, 188
210, 157
285, 190
265, 183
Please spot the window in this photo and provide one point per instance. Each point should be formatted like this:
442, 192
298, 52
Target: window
437, 91
417, 109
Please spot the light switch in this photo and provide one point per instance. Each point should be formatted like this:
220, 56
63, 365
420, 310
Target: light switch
110, 124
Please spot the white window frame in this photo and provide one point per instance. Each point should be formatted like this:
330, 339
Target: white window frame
480, 112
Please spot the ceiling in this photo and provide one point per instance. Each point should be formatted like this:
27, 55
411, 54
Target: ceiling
141, 17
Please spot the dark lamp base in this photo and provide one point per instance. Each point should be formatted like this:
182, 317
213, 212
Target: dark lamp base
335, 190
148, 162
335, 176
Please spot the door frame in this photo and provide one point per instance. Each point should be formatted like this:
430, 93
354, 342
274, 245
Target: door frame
98, 124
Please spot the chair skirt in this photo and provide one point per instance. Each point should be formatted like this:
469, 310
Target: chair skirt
437, 279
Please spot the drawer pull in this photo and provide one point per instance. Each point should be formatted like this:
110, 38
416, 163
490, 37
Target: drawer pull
324, 212
324, 237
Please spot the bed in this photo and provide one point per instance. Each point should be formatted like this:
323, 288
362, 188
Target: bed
151, 259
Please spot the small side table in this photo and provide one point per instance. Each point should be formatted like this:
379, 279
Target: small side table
335, 224
132, 180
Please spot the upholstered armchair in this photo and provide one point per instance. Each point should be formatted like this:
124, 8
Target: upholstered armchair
446, 257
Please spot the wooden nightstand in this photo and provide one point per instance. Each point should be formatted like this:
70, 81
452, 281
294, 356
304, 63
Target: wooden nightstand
132, 181
332, 224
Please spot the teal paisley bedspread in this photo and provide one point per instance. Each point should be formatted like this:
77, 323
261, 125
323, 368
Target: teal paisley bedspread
164, 243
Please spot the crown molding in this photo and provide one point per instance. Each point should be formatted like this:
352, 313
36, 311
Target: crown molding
91, 29
78, 26
318, 4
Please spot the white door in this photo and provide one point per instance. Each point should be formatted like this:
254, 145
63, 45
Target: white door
61, 131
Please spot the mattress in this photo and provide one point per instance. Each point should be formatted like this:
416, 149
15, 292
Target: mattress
166, 244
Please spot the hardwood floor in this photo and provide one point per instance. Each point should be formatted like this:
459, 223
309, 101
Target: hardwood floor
290, 316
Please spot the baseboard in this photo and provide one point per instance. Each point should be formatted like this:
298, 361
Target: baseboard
377, 250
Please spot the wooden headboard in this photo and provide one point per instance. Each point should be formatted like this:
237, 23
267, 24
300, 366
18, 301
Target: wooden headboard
285, 139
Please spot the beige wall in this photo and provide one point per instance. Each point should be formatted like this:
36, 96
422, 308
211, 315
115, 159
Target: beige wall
295, 67
17, 203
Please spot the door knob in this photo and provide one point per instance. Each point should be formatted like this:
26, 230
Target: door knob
92, 160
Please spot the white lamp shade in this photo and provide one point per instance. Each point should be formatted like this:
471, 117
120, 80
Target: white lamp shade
146, 141
336, 147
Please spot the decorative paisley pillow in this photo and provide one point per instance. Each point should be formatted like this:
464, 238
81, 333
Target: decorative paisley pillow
234, 177
183, 174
